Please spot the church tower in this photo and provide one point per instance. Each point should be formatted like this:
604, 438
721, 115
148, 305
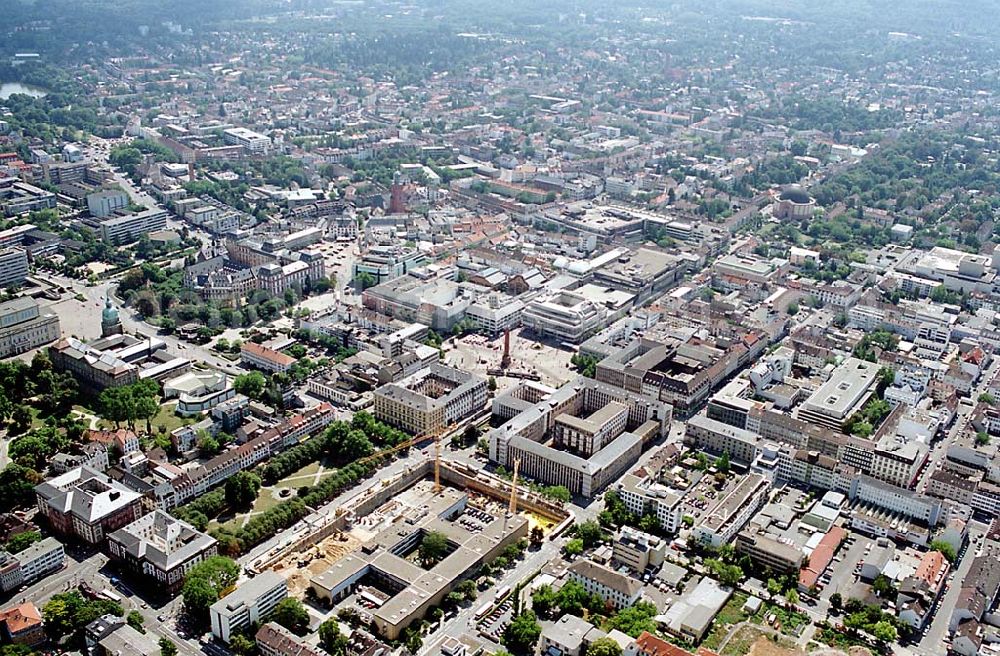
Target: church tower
111, 323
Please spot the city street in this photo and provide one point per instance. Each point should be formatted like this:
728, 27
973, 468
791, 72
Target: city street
932, 643
91, 569
95, 296
100, 149
464, 623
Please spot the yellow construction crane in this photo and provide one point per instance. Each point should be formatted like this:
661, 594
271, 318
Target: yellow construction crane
429, 435
513, 488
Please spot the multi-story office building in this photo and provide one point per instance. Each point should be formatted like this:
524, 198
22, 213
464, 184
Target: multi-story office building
248, 605
749, 275
129, 227
566, 316
601, 446
433, 300
384, 263
17, 197
586, 435
898, 461
414, 590
31, 564
102, 204
682, 374
645, 272
432, 398
13, 267
24, 327
15, 235
161, 547
769, 551
637, 550
254, 143
718, 438
495, 314
847, 390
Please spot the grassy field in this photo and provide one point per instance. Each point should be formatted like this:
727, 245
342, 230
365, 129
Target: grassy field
792, 622
299, 478
265, 501
169, 418
732, 613
746, 636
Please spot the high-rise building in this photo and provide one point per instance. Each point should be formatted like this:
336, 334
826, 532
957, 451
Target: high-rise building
13, 267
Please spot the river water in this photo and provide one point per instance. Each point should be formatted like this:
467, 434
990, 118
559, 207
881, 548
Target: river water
8, 89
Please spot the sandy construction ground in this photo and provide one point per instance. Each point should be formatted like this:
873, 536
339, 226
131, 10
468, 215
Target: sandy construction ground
300, 567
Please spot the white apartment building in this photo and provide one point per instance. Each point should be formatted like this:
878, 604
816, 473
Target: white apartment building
619, 590
249, 604
643, 496
13, 267
31, 564
733, 509
123, 229
254, 143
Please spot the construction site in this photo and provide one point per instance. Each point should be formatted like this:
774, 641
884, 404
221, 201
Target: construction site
370, 556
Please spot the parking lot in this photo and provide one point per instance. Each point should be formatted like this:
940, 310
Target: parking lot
495, 623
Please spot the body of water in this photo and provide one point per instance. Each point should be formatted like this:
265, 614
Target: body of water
8, 89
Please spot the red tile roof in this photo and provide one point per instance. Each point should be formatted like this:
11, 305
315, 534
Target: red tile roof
821, 556
651, 645
268, 354
931, 566
21, 618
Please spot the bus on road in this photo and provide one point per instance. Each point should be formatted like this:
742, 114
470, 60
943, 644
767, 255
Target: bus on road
110, 596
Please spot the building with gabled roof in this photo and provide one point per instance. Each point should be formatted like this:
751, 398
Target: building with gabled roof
619, 590
261, 357
275, 640
87, 504
648, 644
161, 547
22, 625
